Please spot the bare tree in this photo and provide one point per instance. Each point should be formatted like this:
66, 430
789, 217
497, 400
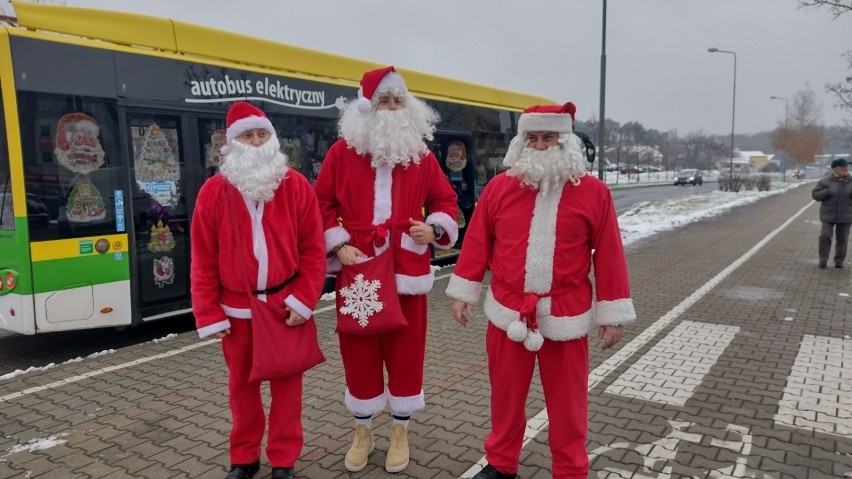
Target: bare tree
802, 137
843, 91
835, 7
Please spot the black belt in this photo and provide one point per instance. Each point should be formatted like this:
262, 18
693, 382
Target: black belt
277, 287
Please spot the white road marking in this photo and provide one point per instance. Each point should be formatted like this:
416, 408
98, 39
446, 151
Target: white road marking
671, 371
817, 396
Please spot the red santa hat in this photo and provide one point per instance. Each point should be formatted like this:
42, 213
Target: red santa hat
243, 117
376, 81
557, 118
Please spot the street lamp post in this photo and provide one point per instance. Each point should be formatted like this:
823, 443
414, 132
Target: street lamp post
784, 165
734, 107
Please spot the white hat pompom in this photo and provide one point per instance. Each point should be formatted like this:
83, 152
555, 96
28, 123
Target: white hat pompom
517, 331
364, 105
534, 341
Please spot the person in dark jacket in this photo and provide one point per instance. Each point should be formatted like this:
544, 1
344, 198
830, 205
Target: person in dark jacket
834, 192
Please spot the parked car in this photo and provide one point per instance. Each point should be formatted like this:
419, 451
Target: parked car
690, 176
631, 170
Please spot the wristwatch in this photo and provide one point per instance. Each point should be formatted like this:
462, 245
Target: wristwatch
437, 230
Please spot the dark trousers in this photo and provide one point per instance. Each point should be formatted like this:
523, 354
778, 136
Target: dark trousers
841, 232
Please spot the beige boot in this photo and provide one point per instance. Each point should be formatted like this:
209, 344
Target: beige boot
397, 458
362, 446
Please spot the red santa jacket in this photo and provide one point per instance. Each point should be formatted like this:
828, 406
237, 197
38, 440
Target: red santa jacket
537, 244
280, 238
354, 197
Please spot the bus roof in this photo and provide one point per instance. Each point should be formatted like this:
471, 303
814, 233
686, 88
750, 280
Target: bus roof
130, 29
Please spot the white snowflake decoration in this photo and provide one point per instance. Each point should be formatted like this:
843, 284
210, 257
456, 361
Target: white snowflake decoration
361, 299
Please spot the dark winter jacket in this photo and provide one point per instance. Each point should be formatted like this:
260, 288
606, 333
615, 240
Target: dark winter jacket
835, 199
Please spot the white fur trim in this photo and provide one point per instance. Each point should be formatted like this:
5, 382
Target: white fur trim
538, 276
239, 313
390, 80
382, 194
408, 243
333, 264
335, 236
298, 306
259, 247
406, 404
463, 289
214, 328
364, 407
619, 311
412, 285
248, 123
554, 328
449, 225
377, 250
558, 122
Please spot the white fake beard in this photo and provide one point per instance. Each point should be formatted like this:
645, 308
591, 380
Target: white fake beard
547, 169
256, 171
390, 137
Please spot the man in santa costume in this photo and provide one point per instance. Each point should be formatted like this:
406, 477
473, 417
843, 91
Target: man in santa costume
280, 230
377, 178
538, 228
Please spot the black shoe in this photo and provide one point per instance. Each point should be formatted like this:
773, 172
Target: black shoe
282, 473
822, 265
243, 471
838, 265
489, 472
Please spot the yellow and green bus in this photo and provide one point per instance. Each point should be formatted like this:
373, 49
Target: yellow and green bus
112, 122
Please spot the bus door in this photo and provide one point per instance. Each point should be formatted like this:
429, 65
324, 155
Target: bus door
159, 225
455, 154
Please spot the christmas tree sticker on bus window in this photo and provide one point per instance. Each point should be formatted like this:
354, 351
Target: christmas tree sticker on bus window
157, 167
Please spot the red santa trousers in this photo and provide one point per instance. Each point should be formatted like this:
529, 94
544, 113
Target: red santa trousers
401, 351
286, 438
564, 370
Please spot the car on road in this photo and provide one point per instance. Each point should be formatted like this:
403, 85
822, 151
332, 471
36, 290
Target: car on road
689, 176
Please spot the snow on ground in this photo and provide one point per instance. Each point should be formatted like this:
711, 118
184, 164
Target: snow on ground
651, 217
38, 444
19, 372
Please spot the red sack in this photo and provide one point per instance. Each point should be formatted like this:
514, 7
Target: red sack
279, 350
367, 301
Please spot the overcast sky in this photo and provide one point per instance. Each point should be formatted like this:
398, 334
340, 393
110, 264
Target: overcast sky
659, 72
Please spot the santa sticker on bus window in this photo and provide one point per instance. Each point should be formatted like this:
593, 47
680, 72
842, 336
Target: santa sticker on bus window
156, 166
456, 156
77, 144
164, 271
85, 203
214, 155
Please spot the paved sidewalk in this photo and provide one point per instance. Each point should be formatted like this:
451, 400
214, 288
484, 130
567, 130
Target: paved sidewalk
739, 366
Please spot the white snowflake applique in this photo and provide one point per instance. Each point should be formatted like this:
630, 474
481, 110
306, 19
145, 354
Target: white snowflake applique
361, 299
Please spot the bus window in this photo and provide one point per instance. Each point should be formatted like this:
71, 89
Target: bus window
7, 216
160, 210
72, 165
211, 138
305, 141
